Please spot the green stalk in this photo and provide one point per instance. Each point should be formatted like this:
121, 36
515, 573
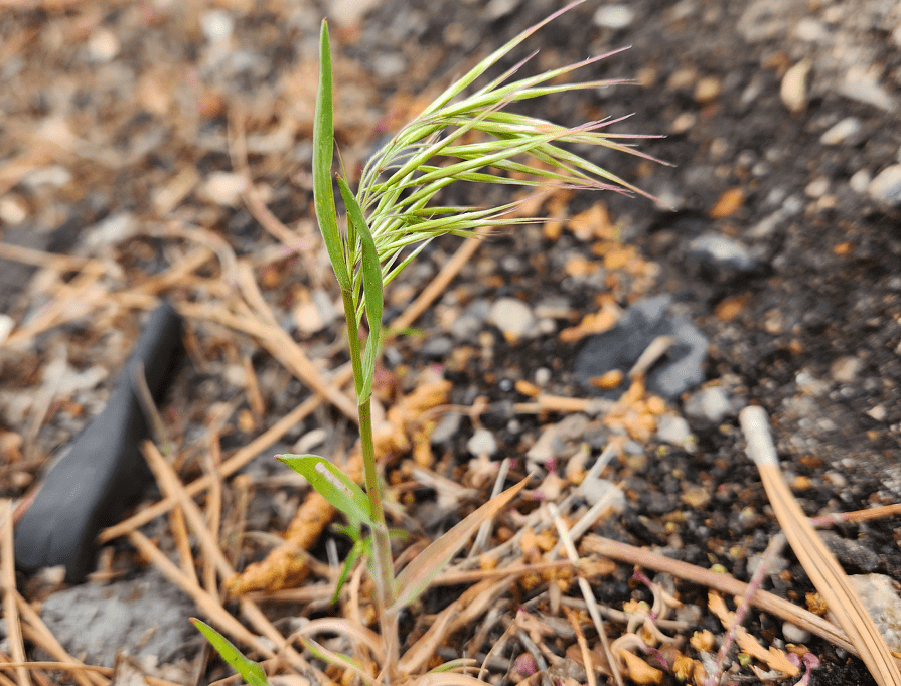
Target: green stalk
381, 543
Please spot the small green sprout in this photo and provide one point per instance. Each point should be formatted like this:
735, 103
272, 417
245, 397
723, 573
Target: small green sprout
390, 218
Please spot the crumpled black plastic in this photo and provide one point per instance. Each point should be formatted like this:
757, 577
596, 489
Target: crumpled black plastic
103, 472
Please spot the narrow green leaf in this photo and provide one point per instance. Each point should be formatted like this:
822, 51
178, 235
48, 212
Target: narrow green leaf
355, 553
373, 288
320, 652
323, 148
370, 353
332, 484
249, 670
416, 576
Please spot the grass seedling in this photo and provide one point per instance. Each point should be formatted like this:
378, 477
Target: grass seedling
390, 218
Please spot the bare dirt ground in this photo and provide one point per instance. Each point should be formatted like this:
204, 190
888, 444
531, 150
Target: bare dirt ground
162, 150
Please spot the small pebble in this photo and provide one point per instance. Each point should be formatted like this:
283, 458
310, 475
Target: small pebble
711, 403
866, 90
437, 346
217, 25
793, 90
54, 176
724, 254
112, 230
614, 16
446, 428
860, 181
811, 30
595, 490
817, 188
103, 45
845, 130
886, 187
777, 564
543, 376
513, 317
845, 369
674, 430
7, 324
708, 90
879, 413
389, 66
12, 210
683, 123
793, 634
223, 188
499, 8
482, 443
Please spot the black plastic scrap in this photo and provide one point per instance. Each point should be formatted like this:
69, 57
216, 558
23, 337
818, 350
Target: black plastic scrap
103, 472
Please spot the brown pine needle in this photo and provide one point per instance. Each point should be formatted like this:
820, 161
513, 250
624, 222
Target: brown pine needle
8, 580
77, 668
237, 461
820, 564
857, 516
42, 258
37, 632
583, 646
587, 593
206, 601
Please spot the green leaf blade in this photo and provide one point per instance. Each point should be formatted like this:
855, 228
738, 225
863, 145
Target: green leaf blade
373, 287
323, 148
249, 670
332, 484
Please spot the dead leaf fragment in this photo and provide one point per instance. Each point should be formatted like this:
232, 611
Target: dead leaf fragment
772, 657
730, 308
728, 203
608, 380
640, 671
703, 641
594, 323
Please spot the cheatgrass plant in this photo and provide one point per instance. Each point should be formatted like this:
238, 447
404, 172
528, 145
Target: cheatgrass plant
390, 218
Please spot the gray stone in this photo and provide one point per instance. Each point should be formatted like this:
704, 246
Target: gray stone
777, 564
145, 617
846, 369
850, 552
595, 490
860, 181
726, 256
886, 187
446, 428
438, 346
467, 326
880, 597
